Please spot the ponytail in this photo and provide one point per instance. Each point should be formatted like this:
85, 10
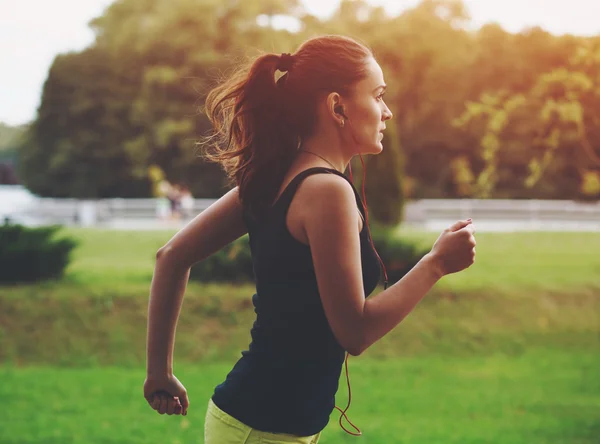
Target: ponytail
252, 138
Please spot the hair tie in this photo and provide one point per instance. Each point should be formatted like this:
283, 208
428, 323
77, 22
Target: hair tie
286, 60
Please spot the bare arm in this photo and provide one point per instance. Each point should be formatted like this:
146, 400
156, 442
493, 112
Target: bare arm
331, 227
210, 231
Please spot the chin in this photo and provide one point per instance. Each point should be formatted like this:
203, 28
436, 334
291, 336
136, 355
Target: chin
375, 149
369, 149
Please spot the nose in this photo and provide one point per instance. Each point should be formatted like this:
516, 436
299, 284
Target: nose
387, 114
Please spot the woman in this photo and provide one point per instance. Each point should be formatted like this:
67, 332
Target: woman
285, 142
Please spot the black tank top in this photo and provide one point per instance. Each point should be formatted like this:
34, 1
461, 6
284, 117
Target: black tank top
287, 379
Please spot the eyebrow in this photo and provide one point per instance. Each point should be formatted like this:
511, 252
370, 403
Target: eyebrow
383, 87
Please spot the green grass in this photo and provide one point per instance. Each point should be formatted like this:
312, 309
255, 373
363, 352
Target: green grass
506, 261
115, 259
526, 261
506, 352
103, 299
540, 396
109, 329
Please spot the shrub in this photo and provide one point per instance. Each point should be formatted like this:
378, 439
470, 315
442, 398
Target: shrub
234, 263
231, 264
32, 254
397, 254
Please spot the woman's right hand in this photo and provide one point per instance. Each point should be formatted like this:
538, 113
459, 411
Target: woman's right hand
166, 394
454, 250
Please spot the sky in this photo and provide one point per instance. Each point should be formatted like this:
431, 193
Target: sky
33, 32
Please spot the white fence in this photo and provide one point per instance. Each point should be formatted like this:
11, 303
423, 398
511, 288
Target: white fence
428, 214
506, 215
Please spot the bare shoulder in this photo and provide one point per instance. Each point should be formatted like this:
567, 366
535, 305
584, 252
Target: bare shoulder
326, 200
327, 190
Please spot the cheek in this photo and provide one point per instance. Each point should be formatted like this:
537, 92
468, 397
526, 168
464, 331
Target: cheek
372, 122
368, 124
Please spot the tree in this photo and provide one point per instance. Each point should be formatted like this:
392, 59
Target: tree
132, 100
74, 148
384, 189
546, 131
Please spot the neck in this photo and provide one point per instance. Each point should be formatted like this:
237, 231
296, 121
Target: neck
334, 158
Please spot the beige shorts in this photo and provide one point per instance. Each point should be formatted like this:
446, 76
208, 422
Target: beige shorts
221, 428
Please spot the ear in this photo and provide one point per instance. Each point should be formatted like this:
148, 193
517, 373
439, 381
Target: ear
335, 107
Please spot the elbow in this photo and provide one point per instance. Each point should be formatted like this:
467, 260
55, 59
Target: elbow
355, 351
167, 255
162, 252
352, 335
355, 346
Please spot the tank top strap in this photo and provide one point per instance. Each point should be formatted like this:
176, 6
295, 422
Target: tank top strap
287, 195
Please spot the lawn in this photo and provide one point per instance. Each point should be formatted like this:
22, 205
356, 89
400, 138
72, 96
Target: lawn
520, 261
539, 397
507, 261
507, 352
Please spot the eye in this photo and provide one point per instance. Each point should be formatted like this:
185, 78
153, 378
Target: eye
380, 96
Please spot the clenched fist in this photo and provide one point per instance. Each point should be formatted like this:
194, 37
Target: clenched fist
454, 250
166, 394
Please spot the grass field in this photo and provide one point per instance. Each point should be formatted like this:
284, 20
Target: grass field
541, 397
507, 352
510, 261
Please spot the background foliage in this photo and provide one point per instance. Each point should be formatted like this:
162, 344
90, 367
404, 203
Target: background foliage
477, 114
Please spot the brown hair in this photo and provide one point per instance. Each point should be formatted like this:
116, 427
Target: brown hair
259, 121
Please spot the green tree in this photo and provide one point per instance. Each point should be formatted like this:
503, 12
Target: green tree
133, 99
544, 133
75, 146
384, 188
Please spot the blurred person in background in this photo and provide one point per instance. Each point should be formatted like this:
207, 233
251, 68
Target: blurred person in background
286, 128
186, 201
160, 190
163, 205
174, 197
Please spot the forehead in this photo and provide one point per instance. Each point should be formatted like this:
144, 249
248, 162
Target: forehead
373, 79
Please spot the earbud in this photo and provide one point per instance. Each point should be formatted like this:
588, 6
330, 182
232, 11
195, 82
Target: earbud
340, 110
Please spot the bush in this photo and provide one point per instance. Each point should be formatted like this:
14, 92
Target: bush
398, 255
231, 264
32, 254
234, 263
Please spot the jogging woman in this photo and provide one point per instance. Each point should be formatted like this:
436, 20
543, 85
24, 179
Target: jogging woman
286, 128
